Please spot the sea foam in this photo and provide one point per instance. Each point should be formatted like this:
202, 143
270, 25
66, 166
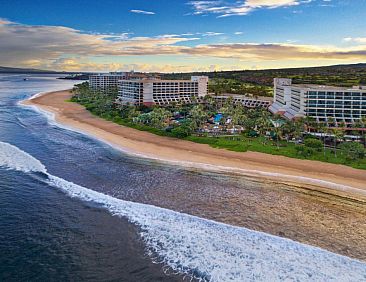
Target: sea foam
280, 177
203, 248
12, 157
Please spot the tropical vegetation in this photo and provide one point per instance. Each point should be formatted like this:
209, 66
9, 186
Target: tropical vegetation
233, 127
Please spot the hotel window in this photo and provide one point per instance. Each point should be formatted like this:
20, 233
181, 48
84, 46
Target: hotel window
330, 95
339, 96
321, 95
347, 95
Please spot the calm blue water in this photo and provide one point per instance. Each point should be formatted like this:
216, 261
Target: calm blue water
45, 235
69, 213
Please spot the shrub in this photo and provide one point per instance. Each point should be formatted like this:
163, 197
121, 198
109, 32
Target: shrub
181, 131
314, 144
352, 150
304, 151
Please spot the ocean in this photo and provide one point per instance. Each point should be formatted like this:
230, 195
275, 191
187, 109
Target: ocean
74, 208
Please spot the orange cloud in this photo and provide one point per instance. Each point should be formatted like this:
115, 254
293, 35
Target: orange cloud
53, 46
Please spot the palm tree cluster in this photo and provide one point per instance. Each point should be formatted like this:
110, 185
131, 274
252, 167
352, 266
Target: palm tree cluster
183, 120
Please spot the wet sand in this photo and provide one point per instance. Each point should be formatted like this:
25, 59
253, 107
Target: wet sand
329, 178
317, 219
316, 215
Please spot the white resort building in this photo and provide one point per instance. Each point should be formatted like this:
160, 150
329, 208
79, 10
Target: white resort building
323, 103
105, 81
246, 101
154, 91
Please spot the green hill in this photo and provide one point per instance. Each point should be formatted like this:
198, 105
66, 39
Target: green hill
338, 75
23, 70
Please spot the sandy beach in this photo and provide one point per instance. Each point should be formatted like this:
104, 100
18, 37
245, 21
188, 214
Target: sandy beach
328, 178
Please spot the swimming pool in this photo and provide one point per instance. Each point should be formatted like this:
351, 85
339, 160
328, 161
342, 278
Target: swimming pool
218, 117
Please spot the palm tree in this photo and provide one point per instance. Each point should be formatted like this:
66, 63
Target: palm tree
194, 100
310, 122
238, 115
198, 116
332, 122
264, 123
211, 104
277, 128
288, 129
363, 127
337, 134
299, 125
159, 117
323, 129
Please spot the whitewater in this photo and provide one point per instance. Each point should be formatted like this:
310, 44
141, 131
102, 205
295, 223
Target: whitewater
51, 118
201, 248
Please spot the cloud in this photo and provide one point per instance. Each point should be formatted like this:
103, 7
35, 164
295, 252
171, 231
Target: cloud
277, 51
239, 8
20, 44
142, 12
74, 65
62, 48
211, 33
5, 21
355, 39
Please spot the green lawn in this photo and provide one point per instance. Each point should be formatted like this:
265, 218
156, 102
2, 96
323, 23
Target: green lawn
269, 147
241, 143
259, 144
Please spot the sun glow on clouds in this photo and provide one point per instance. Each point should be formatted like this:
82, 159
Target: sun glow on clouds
63, 48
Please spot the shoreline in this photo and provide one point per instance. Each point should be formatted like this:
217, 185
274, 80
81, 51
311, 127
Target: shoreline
322, 177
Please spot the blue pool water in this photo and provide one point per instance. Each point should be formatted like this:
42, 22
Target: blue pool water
218, 117
73, 208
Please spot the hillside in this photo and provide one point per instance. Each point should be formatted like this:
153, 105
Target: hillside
338, 75
23, 70
260, 82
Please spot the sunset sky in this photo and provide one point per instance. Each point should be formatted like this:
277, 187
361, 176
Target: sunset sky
181, 35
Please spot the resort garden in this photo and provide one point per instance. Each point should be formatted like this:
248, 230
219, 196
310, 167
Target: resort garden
234, 127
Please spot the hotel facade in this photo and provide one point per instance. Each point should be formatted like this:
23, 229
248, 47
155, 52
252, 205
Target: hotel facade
106, 81
154, 91
323, 103
248, 102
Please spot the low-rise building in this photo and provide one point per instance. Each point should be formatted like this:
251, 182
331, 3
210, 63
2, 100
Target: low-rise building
154, 91
246, 101
321, 102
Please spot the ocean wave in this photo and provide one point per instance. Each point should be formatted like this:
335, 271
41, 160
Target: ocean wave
12, 157
203, 248
280, 177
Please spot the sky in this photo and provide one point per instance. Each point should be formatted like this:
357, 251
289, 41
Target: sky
180, 35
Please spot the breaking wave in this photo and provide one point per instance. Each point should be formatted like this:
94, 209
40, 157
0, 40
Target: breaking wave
204, 166
203, 248
12, 157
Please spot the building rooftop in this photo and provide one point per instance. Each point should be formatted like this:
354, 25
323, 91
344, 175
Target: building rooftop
108, 74
158, 79
329, 87
260, 98
153, 80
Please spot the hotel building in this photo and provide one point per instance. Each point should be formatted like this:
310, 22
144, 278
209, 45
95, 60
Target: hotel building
248, 102
323, 103
106, 81
154, 91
